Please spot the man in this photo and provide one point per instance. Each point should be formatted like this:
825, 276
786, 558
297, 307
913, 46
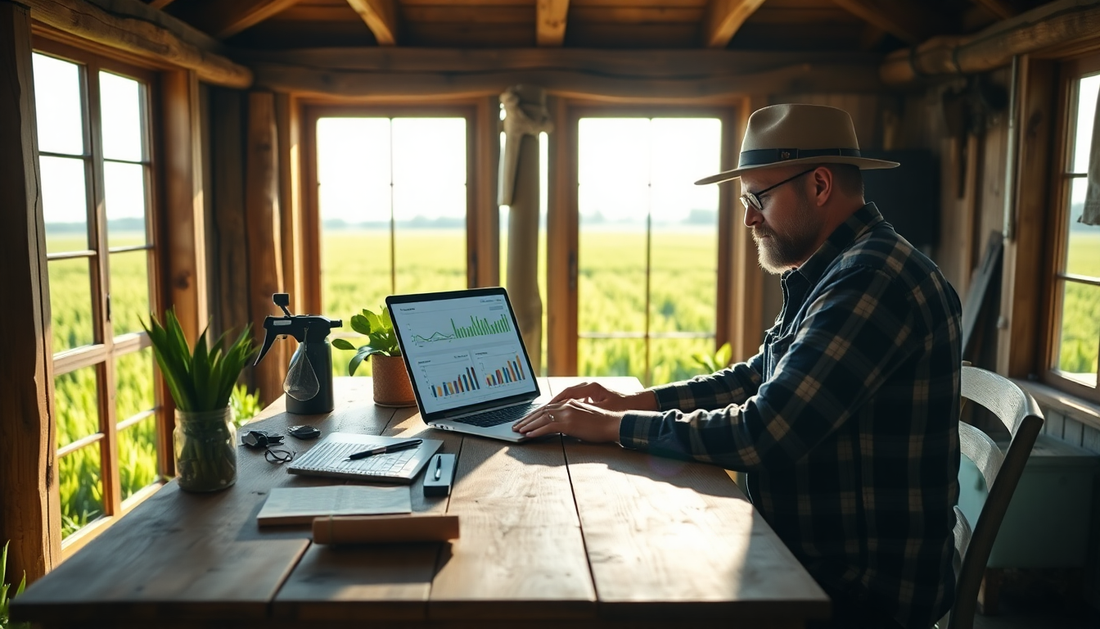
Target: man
846, 422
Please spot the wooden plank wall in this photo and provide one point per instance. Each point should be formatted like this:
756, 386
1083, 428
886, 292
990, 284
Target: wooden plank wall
30, 513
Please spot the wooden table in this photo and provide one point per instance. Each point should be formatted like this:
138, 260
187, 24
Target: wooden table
554, 533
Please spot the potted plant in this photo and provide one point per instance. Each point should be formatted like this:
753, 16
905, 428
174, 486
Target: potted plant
391, 381
201, 382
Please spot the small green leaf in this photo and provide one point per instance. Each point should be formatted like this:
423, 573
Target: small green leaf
342, 344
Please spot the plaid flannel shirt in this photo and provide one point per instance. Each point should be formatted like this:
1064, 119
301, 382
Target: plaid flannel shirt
846, 421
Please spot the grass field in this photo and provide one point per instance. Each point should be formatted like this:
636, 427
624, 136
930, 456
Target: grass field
356, 275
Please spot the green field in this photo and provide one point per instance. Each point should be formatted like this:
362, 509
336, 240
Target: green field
356, 275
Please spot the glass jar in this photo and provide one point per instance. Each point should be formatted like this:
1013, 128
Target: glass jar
206, 449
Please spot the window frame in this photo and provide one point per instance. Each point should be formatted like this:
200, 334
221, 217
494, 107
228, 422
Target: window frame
1061, 177
106, 348
563, 223
475, 198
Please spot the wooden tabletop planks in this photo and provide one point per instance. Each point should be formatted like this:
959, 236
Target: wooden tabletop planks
552, 531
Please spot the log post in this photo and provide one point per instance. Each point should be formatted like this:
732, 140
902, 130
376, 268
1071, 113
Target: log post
264, 235
525, 116
30, 511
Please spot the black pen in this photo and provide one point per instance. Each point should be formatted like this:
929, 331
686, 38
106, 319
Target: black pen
438, 467
404, 445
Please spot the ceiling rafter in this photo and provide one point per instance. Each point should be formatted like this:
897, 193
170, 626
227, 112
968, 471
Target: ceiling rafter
907, 20
225, 19
550, 21
724, 18
380, 17
160, 4
1001, 8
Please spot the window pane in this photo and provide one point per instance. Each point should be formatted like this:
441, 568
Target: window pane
70, 304
81, 488
684, 280
64, 204
134, 384
77, 410
125, 200
137, 456
430, 153
129, 291
58, 106
1083, 248
1086, 114
355, 274
674, 359
1079, 340
121, 100
353, 171
430, 260
611, 357
612, 280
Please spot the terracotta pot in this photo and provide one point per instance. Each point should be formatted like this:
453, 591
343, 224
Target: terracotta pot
391, 382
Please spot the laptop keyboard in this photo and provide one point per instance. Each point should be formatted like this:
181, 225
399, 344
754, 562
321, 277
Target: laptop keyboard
497, 416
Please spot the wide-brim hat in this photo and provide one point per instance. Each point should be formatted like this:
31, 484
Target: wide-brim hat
781, 135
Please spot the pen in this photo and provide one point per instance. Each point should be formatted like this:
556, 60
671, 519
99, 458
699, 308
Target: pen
404, 445
438, 467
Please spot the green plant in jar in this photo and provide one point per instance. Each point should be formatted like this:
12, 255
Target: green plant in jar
201, 381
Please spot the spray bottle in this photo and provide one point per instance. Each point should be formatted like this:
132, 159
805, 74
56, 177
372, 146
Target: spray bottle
308, 382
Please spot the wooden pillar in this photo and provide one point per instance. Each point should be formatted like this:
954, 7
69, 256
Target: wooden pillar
563, 227
483, 237
744, 314
30, 512
184, 231
288, 127
265, 267
525, 116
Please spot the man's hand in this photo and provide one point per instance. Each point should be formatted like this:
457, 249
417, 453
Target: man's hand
574, 418
600, 396
588, 411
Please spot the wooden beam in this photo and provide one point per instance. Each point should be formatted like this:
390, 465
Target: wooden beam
264, 235
289, 142
907, 20
160, 4
184, 233
1018, 353
724, 18
1055, 24
146, 39
387, 73
1000, 8
550, 20
30, 516
225, 19
380, 17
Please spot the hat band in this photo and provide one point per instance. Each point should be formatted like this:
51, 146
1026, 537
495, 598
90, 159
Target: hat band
759, 157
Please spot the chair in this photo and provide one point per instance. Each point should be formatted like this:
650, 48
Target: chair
1020, 414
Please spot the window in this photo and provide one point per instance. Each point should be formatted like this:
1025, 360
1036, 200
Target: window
392, 199
94, 155
648, 250
1074, 342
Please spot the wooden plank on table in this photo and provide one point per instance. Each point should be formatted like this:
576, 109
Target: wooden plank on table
663, 532
691, 537
521, 552
182, 555
383, 583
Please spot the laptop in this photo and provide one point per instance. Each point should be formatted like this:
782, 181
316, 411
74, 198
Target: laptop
469, 368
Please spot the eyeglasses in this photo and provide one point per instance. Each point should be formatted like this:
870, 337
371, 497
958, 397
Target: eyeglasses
753, 198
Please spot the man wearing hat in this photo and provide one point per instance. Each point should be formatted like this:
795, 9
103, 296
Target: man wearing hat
846, 421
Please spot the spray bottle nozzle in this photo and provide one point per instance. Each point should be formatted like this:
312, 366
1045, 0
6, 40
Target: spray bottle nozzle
282, 300
301, 327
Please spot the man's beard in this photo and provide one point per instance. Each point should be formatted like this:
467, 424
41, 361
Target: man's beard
778, 252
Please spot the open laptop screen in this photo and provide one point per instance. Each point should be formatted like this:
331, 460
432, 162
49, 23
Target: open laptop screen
463, 350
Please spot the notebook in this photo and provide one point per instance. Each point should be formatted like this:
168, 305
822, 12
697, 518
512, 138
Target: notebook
329, 457
469, 368
299, 505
